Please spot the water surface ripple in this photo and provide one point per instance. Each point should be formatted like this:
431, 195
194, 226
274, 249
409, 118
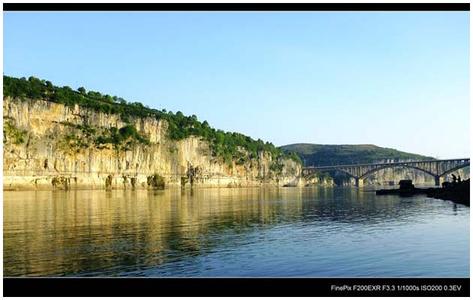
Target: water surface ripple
306, 232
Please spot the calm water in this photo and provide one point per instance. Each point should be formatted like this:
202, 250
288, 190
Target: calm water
233, 232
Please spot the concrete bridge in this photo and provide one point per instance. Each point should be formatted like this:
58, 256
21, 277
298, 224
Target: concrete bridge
435, 168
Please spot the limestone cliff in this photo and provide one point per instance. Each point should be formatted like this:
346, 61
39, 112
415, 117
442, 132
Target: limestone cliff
51, 145
318, 179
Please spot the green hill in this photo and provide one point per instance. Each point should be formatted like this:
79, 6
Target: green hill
326, 155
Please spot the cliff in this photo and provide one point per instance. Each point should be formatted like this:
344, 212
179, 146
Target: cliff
52, 145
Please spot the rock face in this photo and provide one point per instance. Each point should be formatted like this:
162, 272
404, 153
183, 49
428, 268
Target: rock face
318, 180
49, 145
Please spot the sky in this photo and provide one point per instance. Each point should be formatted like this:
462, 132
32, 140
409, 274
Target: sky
393, 79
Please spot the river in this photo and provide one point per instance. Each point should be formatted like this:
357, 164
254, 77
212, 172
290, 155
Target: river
247, 232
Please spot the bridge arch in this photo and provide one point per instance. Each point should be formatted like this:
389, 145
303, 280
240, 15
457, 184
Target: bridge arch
454, 169
346, 172
434, 168
357, 179
392, 167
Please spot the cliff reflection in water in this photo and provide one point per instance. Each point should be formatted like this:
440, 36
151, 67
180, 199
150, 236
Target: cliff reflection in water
100, 233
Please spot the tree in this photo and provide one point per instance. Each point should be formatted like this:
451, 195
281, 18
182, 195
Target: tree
82, 90
127, 131
179, 114
108, 98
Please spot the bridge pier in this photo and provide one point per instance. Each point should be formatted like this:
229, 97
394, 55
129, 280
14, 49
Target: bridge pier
437, 180
358, 182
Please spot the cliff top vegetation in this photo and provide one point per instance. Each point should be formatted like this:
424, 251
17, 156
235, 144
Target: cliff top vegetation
226, 145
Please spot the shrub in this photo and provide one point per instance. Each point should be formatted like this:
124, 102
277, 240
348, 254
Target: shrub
156, 181
16, 135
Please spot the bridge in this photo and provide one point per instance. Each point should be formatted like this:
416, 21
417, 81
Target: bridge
435, 168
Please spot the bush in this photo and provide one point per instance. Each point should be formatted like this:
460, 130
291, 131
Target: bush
13, 133
156, 181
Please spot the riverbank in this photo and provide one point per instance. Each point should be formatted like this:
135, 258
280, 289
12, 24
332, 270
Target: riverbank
458, 192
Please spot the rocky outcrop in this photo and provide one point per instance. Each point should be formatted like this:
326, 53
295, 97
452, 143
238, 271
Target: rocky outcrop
318, 179
50, 145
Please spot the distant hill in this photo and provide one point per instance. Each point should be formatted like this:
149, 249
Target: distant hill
325, 155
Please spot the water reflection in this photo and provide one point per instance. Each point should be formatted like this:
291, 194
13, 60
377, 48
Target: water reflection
192, 233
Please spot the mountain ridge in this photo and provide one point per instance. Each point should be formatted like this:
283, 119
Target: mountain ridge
337, 154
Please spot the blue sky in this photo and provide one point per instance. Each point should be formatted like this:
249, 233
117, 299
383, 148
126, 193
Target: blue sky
397, 80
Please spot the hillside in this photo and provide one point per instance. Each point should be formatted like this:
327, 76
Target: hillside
57, 137
226, 145
326, 155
